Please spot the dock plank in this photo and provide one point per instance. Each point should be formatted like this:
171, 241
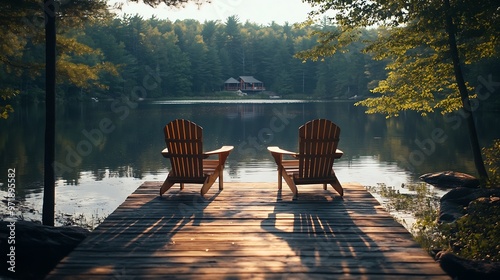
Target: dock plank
249, 231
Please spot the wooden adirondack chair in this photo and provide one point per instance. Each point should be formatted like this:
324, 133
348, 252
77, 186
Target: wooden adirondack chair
189, 163
318, 140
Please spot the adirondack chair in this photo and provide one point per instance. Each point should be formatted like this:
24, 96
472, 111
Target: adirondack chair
313, 164
189, 164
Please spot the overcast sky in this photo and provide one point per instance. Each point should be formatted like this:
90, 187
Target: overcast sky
257, 11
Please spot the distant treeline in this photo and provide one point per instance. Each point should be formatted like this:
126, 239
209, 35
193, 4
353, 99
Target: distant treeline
161, 59
153, 58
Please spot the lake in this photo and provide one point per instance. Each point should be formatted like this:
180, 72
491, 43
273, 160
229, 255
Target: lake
105, 150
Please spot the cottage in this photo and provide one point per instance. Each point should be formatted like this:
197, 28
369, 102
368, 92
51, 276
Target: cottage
231, 84
244, 83
249, 83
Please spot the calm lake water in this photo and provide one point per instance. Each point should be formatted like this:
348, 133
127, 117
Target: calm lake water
105, 150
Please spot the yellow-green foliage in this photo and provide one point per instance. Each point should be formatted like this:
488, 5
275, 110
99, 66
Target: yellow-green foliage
418, 80
492, 160
477, 234
22, 35
5, 109
414, 40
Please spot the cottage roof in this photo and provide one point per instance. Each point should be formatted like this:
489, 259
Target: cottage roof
249, 79
231, 81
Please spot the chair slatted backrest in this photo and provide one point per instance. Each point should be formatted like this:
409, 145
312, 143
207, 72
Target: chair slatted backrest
184, 141
318, 141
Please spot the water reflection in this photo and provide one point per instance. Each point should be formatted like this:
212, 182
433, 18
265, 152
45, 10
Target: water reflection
117, 146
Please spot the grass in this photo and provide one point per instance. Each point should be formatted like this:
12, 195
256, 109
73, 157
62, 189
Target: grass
81, 220
474, 236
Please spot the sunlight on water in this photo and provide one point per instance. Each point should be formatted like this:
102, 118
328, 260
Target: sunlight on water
100, 196
369, 171
101, 168
364, 170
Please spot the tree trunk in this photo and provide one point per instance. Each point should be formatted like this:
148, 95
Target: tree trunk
50, 112
464, 95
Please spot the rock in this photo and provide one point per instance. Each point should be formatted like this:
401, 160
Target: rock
463, 196
459, 195
450, 179
453, 204
450, 212
460, 268
484, 205
37, 248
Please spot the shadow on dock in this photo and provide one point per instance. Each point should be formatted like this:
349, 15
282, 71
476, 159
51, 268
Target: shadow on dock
249, 231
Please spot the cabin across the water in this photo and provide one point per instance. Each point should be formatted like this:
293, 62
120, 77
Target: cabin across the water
244, 83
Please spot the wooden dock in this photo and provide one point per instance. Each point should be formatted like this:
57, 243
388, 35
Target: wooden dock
249, 231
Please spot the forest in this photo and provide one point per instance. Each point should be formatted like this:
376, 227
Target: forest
189, 58
111, 57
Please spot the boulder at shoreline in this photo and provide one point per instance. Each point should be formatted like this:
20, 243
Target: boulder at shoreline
35, 249
450, 179
461, 269
453, 204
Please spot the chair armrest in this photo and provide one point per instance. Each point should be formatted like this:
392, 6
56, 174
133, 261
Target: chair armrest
338, 153
165, 153
278, 150
278, 153
223, 149
223, 153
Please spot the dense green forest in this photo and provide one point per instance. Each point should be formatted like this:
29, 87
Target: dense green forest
152, 58
189, 58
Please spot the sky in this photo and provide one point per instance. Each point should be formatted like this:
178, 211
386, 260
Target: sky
256, 11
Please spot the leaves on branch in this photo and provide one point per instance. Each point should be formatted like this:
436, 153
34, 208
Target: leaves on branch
412, 37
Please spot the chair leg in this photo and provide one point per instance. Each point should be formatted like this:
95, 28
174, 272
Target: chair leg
337, 186
324, 186
166, 185
291, 184
208, 183
280, 175
221, 180
182, 186
222, 161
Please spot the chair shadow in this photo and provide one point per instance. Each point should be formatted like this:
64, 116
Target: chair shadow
324, 234
120, 243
